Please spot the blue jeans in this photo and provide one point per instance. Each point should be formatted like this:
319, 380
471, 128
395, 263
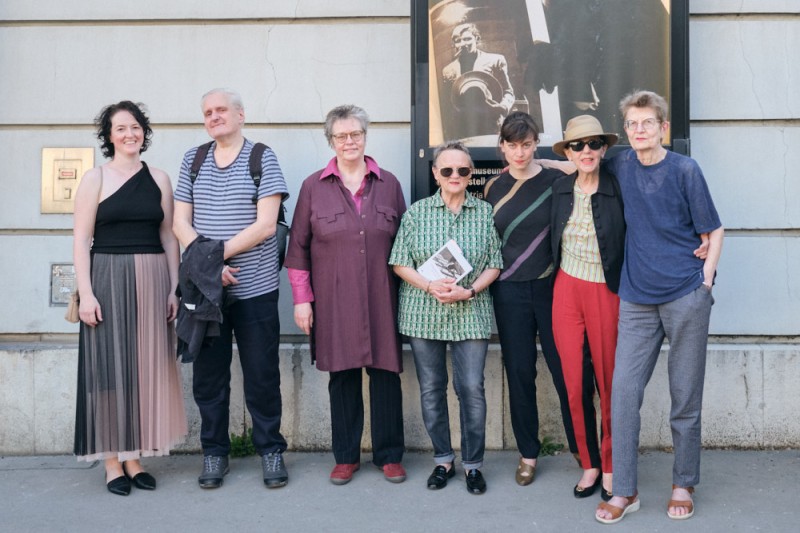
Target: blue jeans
469, 359
256, 325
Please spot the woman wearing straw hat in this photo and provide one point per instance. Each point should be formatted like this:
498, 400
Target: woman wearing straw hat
587, 240
523, 294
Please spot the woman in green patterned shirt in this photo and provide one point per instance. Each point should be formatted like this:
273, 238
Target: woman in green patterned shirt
438, 311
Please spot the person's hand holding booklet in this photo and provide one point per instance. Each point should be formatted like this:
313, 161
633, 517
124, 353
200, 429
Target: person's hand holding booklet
447, 262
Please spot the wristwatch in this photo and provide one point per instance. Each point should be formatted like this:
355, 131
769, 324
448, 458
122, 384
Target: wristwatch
472, 292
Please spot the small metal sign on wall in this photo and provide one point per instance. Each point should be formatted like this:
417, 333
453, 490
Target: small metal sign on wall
62, 169
62, 283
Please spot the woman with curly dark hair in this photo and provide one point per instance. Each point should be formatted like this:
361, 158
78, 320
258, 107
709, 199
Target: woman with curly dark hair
129, 397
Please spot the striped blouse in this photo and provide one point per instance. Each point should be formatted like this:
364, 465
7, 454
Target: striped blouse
580, 253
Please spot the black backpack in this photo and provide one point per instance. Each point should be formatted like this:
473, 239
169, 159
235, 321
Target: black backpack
282, 228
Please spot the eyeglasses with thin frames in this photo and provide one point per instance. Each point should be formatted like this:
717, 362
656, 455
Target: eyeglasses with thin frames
461, 171
594, 144
647, 124
341, 138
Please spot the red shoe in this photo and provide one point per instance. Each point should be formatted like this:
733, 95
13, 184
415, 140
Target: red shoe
394, 472
343, 473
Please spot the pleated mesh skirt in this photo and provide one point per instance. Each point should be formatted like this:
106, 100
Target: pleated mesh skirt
129, 397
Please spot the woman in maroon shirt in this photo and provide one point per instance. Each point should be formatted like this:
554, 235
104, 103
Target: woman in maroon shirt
345, 293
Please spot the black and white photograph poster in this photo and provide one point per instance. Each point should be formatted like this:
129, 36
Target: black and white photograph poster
554, 59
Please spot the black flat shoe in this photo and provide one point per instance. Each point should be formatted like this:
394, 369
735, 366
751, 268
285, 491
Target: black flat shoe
438, 479
475, 482
119, 485
143, 481
606, 495
585, 492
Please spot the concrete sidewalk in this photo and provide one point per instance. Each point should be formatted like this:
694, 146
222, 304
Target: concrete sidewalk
740, 491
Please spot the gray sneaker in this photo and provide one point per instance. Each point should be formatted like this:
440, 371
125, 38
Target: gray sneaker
275, 474
214, 469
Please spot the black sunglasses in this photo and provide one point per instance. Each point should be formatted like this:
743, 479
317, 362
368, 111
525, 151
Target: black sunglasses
594, 144
462, 171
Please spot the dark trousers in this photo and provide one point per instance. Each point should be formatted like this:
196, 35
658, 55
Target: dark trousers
256, 325
523, 309
347, 415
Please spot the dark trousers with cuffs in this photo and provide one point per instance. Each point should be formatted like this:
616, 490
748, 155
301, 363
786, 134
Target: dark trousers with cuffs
347, 415
523, 309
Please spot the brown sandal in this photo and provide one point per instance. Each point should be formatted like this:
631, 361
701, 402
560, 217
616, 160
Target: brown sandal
685, 504
618, 513
525, 473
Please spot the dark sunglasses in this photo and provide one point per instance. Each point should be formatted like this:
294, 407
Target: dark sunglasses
462, 171
594, 144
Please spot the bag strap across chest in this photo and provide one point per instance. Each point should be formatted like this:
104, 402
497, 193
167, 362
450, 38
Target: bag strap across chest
254, 165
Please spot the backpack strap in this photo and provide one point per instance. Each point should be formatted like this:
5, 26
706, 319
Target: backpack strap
197, 162
256, 155
255, 166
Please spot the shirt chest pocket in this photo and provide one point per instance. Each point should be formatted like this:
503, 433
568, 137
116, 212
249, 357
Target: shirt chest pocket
386, 218
330, 220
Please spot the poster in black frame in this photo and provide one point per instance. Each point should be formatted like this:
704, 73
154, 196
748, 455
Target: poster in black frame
552, 58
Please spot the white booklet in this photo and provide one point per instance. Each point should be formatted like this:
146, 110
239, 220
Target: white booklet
447, 262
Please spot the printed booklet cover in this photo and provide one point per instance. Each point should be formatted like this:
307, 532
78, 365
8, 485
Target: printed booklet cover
447, 262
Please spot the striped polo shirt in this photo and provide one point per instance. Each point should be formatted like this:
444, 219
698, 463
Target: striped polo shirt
223, 206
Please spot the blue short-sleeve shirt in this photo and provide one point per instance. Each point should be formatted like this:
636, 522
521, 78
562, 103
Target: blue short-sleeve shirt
667, 207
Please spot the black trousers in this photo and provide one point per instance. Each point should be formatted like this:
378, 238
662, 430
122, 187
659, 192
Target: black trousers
347, 415
523, 309
256, 324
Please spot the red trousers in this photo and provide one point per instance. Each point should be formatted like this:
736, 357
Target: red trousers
586, 309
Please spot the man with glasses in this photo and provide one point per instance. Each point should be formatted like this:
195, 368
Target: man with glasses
665, 292
222, 213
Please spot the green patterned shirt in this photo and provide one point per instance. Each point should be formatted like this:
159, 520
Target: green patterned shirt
425, 227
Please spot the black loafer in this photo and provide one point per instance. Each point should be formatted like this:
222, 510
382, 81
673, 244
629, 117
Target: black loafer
585, 492
438, 479
144, 481
606, 495
119, 485
475, 482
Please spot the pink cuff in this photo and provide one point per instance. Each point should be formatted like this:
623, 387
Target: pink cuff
300, 281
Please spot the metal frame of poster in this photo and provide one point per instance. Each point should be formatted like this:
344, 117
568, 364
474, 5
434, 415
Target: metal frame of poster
475, 61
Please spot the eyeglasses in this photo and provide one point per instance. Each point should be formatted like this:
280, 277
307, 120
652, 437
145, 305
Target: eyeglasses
647, 124
594, 144
462, 171
341, 138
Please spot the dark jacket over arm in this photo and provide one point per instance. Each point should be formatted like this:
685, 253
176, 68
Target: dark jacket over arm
201, 293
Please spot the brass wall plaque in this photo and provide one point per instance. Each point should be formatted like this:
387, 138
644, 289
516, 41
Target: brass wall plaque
62, 283
62, 169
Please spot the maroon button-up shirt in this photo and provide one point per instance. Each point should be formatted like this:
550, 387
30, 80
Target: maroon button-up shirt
346, 251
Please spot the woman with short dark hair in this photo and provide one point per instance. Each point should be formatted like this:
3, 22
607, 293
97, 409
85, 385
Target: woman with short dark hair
523, 294
129, 397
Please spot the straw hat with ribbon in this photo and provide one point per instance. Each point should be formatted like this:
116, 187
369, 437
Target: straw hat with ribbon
582, 127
